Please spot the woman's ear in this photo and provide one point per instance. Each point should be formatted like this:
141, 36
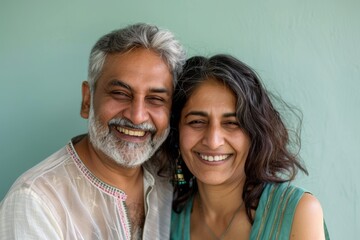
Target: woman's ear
86, 100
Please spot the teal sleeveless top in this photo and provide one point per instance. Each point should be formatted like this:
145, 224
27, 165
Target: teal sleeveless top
273, 217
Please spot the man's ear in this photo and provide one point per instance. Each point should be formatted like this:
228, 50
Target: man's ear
86, 100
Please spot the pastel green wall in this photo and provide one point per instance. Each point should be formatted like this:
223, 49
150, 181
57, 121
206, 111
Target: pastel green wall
307, 51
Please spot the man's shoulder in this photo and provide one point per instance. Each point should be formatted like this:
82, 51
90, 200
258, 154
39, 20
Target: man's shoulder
43, 171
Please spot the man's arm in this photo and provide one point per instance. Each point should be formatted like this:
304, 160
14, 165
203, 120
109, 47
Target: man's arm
24, 215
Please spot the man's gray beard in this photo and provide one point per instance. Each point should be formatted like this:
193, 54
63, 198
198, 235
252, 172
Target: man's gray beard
126, 154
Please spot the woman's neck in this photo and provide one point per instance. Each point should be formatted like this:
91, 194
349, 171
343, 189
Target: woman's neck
219, 213
220, 200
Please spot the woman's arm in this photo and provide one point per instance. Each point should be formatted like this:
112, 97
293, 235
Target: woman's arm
308, 220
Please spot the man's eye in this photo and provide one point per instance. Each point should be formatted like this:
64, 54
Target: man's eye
120, 94
156, 100
232, 124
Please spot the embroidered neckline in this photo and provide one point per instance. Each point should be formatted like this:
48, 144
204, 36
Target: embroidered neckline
104, 187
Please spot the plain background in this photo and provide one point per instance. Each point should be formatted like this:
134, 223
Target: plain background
307, 51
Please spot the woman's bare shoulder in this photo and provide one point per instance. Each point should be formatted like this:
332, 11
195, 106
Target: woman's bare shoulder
308, 220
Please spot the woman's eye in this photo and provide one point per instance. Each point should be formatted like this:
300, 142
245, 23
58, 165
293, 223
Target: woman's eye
196, 123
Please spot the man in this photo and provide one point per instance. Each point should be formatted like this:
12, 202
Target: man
101, 186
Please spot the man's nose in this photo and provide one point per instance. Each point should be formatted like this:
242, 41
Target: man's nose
137, 112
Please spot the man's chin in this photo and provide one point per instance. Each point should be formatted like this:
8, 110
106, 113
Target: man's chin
130, 166
125, 160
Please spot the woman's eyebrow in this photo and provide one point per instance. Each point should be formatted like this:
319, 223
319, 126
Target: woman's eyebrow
204, 114
197, 113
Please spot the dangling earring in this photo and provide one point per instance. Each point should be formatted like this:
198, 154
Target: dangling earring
191, 181
179, 176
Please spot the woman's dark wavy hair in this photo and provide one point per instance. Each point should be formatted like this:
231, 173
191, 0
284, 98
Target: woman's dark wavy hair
273, 155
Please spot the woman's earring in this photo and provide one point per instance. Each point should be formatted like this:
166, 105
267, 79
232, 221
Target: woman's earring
191, 181
179, 176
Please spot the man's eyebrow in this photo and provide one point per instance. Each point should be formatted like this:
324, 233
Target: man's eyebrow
160, 90
229, 114
119, 83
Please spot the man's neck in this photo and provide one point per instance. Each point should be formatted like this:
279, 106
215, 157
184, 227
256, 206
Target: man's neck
106, 169
129, 180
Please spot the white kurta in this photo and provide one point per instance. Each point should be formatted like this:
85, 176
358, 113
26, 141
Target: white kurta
61, 199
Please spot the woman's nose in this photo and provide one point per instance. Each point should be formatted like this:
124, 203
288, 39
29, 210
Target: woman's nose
213, 137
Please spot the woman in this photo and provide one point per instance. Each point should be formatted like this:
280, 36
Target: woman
236, 181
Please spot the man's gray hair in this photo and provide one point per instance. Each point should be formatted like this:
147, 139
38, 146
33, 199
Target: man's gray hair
139, 35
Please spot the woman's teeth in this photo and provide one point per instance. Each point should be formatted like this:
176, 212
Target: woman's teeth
214, 158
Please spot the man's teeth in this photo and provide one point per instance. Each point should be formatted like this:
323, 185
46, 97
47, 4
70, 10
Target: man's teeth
131, 132
214, 158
